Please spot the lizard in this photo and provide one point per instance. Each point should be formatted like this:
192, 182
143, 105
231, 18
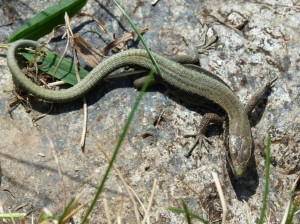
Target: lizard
189, 83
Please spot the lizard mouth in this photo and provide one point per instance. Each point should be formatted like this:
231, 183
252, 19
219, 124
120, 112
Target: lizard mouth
239, 170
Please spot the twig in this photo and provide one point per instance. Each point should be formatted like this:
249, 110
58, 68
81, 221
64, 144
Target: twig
57, 83
85, 112
35, 119
84, 126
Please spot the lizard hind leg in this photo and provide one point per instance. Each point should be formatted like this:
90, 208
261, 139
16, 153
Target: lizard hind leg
256, 98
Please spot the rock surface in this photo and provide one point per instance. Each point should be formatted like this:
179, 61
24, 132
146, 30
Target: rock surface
267, 46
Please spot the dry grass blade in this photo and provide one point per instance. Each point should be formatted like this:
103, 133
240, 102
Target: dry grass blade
73, 45
57, 83
289, 204
43, 213
100, 23
84, 126
139, 200
19, 100
35, 119
118, 43
68, 31
13, 221
146, 217
137, 215
219, 21
88, 46
153, 3
51, 35
83, 49
62, 57
3, 45
221, 195
106, 209
32, 69
74, 211
247, 212
85, 110
59, 172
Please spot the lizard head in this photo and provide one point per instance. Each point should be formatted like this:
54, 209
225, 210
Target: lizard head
238, 153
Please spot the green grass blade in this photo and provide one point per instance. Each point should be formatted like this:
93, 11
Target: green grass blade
291, 213
127, 124
267, 177
118, 146
45, 217
180, 211
140, 36
65, 71
44, 22
66, 210
294, 202
12, 215
186, 211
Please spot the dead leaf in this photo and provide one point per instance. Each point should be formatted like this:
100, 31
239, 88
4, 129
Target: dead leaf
118, 43
84, 49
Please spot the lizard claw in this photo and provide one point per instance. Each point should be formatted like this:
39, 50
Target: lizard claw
206, 42
270, 84
200, 139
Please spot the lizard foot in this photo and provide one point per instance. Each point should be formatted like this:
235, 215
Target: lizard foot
206, 41
200, 139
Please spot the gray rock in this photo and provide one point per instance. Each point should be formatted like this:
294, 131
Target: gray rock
266, 47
